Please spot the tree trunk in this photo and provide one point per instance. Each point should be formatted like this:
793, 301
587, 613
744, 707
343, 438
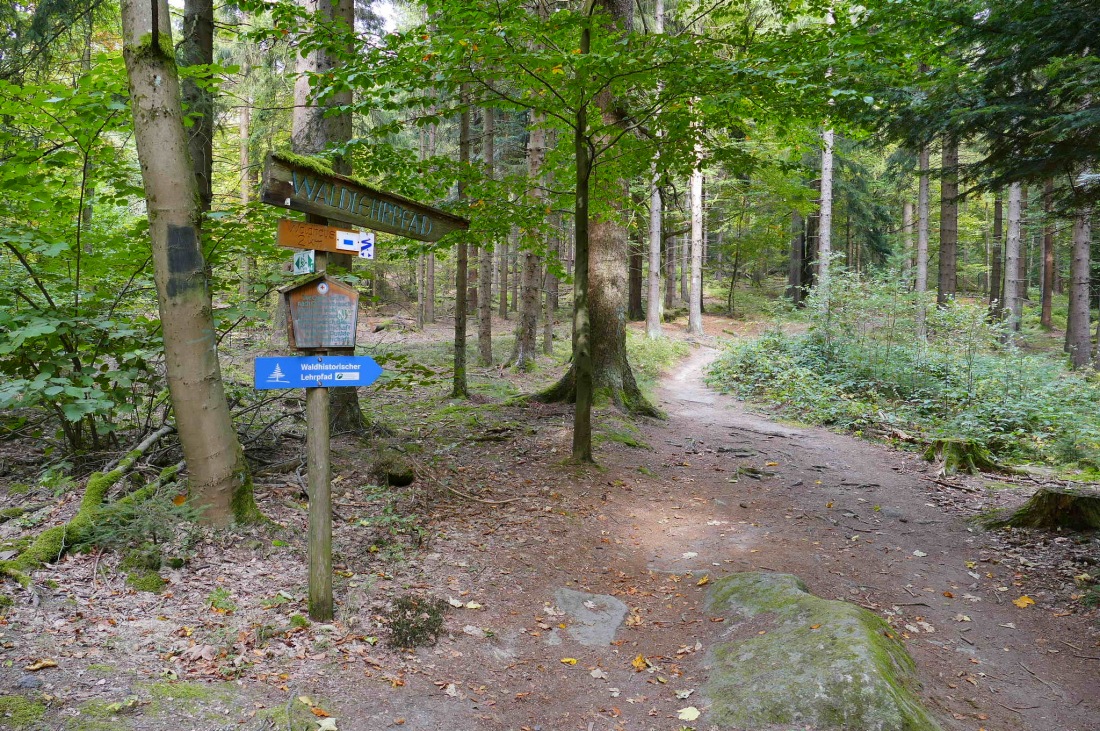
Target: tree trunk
502, 277
244, 160
794, 268
1047, 318
459, 389
825, 222
1078, 332
1013, 301
550, 290
525, 349
197, 49
670, 272
996, 271
695, 295
949, 222
907, 235
311, 133
218, 477
635, 310
485, 254
921, 283
1022, 287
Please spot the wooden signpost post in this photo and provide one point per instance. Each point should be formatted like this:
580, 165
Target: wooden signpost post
322, 314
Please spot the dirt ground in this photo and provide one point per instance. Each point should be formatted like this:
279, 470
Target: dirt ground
504, 524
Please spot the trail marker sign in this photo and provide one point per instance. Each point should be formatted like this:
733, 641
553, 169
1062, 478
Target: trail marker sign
315, 371
304, 262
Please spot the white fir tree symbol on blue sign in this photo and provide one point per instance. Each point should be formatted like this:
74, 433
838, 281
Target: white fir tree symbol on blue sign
277, 375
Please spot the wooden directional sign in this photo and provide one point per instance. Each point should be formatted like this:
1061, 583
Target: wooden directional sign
292, 185
322, 314
300, 235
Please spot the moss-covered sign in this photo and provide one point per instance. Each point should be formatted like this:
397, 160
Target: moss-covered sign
292, 184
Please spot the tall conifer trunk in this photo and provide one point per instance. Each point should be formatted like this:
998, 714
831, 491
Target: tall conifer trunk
1047, 316
996, 269
218, 473
1078, 332
485, 255
949, 222
1013, 294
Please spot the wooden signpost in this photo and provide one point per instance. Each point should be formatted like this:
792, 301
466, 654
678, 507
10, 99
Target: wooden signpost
298, 187
322, 314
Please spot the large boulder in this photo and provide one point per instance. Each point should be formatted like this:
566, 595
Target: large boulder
789, 657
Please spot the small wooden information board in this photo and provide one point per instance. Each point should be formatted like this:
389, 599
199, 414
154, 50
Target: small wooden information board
323, 313
289, 184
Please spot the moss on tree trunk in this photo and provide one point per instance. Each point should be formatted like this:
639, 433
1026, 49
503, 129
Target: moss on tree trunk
961, 455
1051, 508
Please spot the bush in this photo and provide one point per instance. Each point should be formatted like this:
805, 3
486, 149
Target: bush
865, 361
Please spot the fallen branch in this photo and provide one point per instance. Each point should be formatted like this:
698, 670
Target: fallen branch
52, 543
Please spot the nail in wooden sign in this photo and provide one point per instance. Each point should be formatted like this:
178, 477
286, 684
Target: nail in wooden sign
301, 188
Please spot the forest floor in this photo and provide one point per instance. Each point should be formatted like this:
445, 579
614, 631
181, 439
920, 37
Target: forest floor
499, 524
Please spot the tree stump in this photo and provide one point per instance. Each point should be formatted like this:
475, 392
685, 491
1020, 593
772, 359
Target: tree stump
1053, 507
961, 455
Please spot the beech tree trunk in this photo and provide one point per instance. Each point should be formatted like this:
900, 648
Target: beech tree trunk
949, 222
502, 278
244, 159
1078, 331
197, 49
695, 294
1013, 301
670, 272
996, 270
218, 473
1047, 318
485, 255
654, 303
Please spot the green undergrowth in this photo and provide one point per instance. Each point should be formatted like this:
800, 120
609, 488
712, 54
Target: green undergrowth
650, 357
863, 368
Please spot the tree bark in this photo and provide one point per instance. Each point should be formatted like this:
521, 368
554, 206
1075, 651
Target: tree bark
921, 282
485, 254
996, 270
197, 49
525, 349
794, 269
1046, 320
907, 235
502, 277
1078, 331
244, 160
825, 222
949, 222
635, 310
218, 477
1013, 300
695, 294
459, 389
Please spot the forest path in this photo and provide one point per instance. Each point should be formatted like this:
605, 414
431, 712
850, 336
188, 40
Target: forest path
861, 522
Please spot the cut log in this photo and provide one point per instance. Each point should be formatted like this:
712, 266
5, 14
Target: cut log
961, 455
1054, 507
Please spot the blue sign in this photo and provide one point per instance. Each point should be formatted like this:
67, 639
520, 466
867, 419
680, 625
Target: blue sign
316, 371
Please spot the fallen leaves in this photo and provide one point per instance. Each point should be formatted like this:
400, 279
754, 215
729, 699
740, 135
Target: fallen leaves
639, 663
690, 713
42, 664
568, 661
1024, 602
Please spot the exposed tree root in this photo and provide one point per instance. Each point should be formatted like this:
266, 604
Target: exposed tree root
52, 543
620, 389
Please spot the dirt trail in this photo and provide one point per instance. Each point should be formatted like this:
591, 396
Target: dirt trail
719, 490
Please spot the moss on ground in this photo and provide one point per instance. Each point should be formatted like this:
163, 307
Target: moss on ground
146, 580
826, 664
17, 712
